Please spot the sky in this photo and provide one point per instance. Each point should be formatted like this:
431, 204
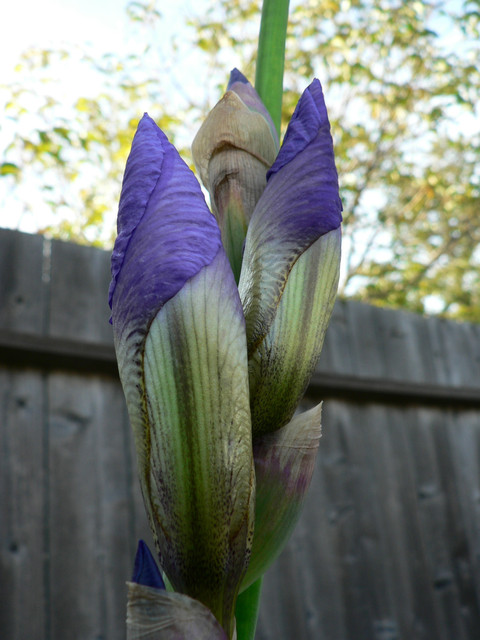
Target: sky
102, 25
51, 23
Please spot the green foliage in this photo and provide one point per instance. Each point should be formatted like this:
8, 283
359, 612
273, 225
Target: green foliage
70, 149
271, 57
402, 87
401, 81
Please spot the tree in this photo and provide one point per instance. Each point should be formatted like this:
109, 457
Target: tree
67, 152
401, 84
402, 90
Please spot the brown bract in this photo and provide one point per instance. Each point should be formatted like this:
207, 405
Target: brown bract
234, 145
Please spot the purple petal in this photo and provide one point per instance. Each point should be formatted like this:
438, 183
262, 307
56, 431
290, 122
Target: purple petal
300, 203
166, 232
145, 570
138, 183
309, 120
284, 465
236, 76
245, 91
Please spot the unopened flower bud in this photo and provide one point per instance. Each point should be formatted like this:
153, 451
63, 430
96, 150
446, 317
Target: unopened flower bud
232, 151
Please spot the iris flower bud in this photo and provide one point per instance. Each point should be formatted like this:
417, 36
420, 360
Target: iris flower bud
284, 465
180, 340
212, 373
288, 284
232, 151
291, 265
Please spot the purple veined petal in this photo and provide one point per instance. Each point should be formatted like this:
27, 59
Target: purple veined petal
166, 232
146, 571
166, 235
142, 171
194, 440
300, 203
180, 342
246, 92
308, 120
154, 614
284, 466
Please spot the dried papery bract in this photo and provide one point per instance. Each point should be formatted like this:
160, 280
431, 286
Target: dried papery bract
153, 614
232, 151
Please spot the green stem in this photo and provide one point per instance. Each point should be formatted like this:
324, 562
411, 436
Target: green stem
271, 57
246, 613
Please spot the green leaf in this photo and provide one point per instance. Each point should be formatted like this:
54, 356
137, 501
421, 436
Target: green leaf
8, 169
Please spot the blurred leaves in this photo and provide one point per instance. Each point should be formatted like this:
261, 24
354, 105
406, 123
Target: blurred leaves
8, 168
402, 85
66, 153
401, 82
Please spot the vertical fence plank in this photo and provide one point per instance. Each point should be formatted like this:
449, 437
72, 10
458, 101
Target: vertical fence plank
399, 557
22, 290
80, 278
461, 351
22, 507
115, 535
76, 570
463, 441
434, 474
336, 353
92, 507
122, 517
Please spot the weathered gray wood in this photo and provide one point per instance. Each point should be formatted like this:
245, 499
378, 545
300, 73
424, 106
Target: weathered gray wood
59, 289
79, 282
388, 547
396, 554
22, 288
93, 512
76, 570
366, 341
23, 503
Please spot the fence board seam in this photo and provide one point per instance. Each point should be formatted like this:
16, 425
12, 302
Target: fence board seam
51, 353
370, 390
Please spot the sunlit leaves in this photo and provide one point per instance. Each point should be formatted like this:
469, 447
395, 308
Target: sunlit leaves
8, 168
401, 81
70, 147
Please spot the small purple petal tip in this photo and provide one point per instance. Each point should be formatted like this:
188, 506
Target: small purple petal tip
145, 570
236, 76
309, 120
240, 85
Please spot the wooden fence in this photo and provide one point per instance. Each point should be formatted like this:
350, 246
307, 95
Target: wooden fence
388, 547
